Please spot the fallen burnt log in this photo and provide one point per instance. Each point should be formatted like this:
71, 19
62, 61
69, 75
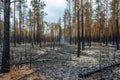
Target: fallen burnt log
35, 61
28, 62
88, 74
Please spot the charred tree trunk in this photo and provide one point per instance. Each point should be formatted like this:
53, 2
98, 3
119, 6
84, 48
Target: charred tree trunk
34, 40
82, 25
78, 33
70, 28
37, 31
75, 23
113, 34
60, 31
6, 43
14, 28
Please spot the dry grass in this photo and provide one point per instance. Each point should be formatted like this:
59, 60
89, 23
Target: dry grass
16, 73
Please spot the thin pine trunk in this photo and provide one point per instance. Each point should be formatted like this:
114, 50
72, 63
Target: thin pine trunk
78, 33
20, 15
116, 23
14, 28
82, 25
37, 31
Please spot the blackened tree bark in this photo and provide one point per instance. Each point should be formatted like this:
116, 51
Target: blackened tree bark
37, 30
60, 30
78, 35
75, 22
52, 36
34, 31
60, 33
14, 27
82, 25
6, 43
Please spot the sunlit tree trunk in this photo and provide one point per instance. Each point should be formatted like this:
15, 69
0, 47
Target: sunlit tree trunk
70, 28
116, 23
90, 21
106, 22
87, 23
65, 23
75, 21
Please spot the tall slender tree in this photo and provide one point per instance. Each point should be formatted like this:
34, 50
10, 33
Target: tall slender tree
82, 24
20, 21
87, 21
116, 22
78, 25
38, 6
6, 42
30, 26
14, 26
65, 23
113, 21
60, 30
69, 21
75, 21
90, 22
106, 21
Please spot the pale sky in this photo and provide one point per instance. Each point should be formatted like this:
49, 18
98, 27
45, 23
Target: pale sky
54, 9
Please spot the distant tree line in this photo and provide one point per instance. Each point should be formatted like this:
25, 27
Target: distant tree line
87, 21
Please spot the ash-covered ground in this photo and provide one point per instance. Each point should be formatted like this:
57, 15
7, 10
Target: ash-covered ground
62, 63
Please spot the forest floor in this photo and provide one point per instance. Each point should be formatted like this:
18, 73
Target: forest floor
61, 62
